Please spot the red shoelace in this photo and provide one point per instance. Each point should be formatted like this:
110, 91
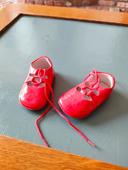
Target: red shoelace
42, 80
89, 88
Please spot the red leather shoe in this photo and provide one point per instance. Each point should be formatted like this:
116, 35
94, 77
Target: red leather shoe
41, 74
84, 98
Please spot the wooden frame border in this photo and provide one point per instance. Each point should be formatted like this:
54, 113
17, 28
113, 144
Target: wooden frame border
12, 11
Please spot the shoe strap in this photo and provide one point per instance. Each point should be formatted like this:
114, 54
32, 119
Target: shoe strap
87, 88
38, 78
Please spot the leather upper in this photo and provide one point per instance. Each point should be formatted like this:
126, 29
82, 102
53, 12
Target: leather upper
84, 98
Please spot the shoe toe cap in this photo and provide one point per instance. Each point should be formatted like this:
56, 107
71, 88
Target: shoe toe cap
31, 102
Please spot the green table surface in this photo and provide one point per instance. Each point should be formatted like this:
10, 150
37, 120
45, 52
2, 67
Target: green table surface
75, 48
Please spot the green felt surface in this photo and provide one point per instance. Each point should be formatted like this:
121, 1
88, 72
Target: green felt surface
75, 49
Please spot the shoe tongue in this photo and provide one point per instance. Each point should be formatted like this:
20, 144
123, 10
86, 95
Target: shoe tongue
35, 71
90, 81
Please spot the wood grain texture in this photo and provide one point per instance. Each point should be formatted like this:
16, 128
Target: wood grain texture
19, 155
8, 14
75, 14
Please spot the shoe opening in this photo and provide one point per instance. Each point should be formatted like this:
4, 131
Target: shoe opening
42, 62
107, 81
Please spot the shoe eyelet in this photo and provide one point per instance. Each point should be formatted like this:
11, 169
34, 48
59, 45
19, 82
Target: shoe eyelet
87, 84
30, 74
29, 83
96, 92
78, 88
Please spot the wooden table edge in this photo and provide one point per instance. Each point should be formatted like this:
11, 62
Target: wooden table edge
11, 148
12, 11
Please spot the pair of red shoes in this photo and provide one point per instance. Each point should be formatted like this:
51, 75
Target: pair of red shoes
78, 102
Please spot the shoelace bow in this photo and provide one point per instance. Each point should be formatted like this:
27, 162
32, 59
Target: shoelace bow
89, 88
37, 78
42, 79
